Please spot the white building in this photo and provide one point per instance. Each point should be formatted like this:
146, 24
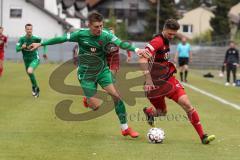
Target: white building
234, 17
14, 14
195, 22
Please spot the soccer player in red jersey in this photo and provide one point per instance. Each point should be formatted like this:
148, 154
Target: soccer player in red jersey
113, 58
3, 41
161, 83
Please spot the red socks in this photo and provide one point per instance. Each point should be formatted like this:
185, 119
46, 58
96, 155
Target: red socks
194, 118
1, 70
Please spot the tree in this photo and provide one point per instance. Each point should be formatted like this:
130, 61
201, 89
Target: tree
220, 23
167, 10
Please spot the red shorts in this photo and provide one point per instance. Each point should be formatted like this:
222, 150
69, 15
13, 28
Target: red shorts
113, 60
171, 88
1, 55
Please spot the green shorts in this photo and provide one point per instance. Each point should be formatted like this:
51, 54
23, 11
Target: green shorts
33, 63
89, 85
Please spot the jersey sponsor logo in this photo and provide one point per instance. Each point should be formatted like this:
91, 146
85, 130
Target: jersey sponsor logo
93, 49
100, 42
166, 56
114, 39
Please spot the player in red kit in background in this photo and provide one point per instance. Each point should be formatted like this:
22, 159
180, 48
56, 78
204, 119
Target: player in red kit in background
160, 82
113, 58
3, 42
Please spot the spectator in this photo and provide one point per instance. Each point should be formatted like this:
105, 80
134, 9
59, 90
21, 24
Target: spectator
231, 62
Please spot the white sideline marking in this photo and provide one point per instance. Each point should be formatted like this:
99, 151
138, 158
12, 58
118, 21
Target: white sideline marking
212, 96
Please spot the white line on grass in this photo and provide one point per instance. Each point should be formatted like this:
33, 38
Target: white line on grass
213, 96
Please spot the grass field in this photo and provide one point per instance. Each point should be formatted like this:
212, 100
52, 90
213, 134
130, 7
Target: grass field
30, 130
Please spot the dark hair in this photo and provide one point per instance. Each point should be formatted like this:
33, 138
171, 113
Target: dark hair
231, 42
1, 27
28, 24
171, 24
95, 17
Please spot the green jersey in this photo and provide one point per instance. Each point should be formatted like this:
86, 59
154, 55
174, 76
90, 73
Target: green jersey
92, 49
27, 54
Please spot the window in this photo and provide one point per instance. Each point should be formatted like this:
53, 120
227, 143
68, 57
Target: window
187, 28
133, 5
15, 13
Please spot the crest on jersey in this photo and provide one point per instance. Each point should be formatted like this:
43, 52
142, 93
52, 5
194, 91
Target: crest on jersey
100, 42
93, 49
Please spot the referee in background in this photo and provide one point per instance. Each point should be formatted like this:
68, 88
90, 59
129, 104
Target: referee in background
183, 56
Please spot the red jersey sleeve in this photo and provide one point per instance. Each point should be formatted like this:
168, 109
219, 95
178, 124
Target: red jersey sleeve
129, 54
5, 39
154, 45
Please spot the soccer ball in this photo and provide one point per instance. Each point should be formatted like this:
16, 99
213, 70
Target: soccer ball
155, 135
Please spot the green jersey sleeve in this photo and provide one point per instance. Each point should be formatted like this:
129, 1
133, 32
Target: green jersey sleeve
123, 45
74, 36
19, 45
38, 39
71, 37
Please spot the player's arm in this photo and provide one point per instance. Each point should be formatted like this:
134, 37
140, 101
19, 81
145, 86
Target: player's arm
225, 59
5, 42
176, 54
145, 69
127, 46
237, 56
71, 37
152, 47
190, 53
20, 46
129, 55
39, 40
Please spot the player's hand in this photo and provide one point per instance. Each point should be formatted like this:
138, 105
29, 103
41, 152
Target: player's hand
35, 46
225, 64
128, 59
236, 64
144, 53
148, 85
175, 60
45, 56
24, 46
190, 60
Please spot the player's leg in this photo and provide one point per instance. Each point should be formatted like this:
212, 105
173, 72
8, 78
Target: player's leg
120, 110
31, 66
105, 80
1, 67
1, 63
234, 71
228, 68
89, 88
180, 63
193, 116
185, 69
157, 109
180, 97
85, 99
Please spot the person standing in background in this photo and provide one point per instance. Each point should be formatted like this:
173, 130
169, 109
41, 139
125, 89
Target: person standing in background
3, 43
183, 56
231, 62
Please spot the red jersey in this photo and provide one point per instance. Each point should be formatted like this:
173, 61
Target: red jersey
113, 59
3, 40
160, 67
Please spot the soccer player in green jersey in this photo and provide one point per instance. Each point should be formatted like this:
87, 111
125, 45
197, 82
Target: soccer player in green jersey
93, 69
30, 58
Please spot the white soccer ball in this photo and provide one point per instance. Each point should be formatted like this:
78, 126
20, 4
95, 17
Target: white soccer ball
155, 135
